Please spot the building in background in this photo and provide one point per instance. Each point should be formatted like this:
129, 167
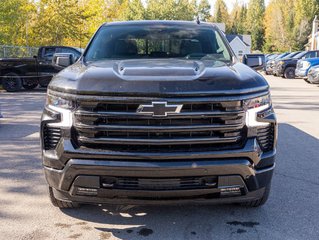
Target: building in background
313, 38
221, 26
241, 44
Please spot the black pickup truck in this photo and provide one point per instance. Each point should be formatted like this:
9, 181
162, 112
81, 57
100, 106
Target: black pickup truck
16, 73
158, 112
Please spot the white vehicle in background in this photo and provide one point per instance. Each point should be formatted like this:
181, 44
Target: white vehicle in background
313, 75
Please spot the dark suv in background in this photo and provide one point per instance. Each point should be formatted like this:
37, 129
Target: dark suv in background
158, 112
286, 67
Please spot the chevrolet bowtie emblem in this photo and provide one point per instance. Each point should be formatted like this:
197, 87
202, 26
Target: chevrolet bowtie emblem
159, 109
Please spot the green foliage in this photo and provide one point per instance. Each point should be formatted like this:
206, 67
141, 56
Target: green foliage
203, 10
305, 11
255, 23
238, 18
132, 10
221, 12
15, 17
288, 24
170, 9
282, 25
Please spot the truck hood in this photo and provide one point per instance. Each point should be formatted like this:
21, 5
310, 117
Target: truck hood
165, 77
311, 60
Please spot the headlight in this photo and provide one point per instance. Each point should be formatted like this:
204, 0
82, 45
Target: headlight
281, 63
316, 70
254, 106
59, 102
305, 65
257, 102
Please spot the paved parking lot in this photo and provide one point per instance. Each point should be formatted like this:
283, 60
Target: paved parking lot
291, 212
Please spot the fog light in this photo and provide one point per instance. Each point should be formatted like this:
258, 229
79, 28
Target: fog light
86, 191
230, 191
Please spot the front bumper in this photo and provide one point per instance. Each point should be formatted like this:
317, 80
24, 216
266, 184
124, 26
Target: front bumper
302, 73
82, 174
313, 78
280, 70
269, 69
247, 169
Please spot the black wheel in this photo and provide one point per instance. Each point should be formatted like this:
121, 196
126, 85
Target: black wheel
59, 203
258, 202
289, 73
30, 86
11, 82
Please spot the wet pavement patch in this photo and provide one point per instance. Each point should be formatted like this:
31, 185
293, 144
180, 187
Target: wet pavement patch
105, 235
75, 236
63, 225
243, 224
145, 232
239, 230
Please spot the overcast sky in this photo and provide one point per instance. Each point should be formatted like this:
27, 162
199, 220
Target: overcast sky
230, 3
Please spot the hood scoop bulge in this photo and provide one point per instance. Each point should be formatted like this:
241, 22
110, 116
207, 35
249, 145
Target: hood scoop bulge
159, 70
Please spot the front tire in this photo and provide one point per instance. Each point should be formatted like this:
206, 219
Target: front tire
259, 202
11, 82
61, 204
290, 73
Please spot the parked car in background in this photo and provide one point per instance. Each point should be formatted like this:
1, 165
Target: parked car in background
28, 73
313, 75
270, 64
286, 67
304, 65
289, 56
269, 57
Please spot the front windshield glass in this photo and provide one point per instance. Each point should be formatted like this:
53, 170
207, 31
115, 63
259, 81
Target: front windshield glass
281, 56
157, 41
291, 55
300, 55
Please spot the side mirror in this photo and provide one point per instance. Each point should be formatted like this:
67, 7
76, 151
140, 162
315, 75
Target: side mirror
255, 61
62, 60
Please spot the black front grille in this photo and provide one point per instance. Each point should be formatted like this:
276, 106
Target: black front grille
159, 183
265, 137
51, 137
200, 125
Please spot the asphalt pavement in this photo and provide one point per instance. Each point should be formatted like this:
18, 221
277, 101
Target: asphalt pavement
292, 211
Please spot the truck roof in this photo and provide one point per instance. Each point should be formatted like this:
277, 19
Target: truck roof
162, 22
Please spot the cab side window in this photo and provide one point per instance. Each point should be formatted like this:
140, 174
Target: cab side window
311, 55
48, 53
75, 53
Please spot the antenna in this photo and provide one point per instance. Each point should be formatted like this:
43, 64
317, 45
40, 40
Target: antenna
197, 20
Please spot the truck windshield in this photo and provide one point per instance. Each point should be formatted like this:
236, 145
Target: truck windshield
157, 41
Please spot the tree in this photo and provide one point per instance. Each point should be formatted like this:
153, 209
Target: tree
238, 15
203, 10
132, 10
171, 9
15, 19
221, 12
59, 22
305, 11
255, 25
